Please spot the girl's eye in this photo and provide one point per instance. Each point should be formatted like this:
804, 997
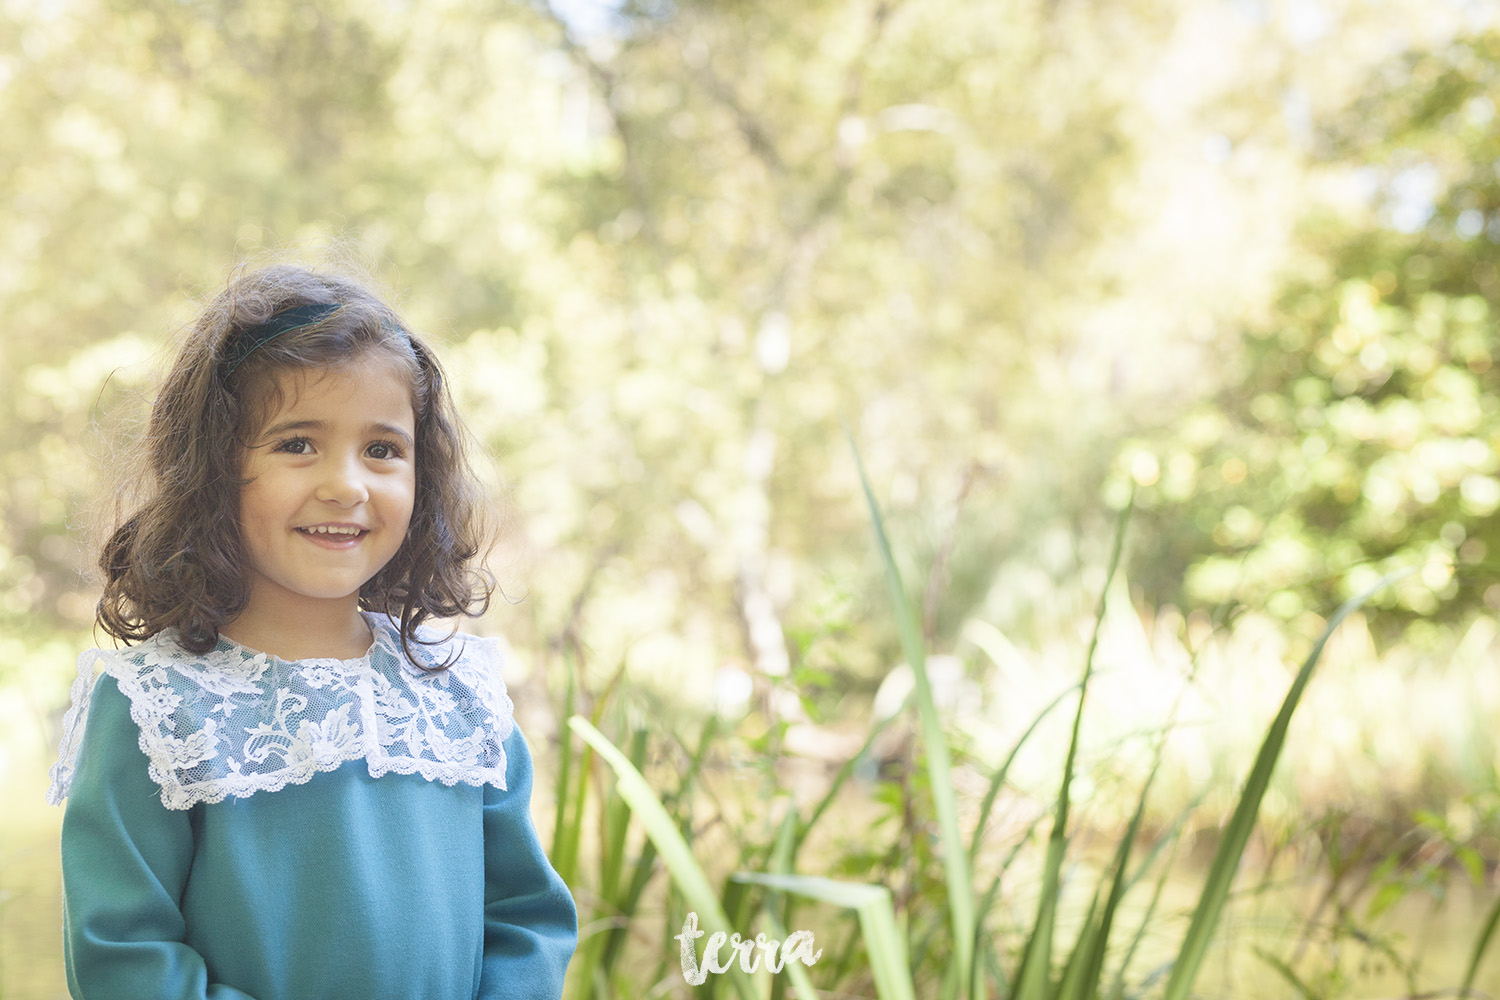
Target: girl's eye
383, 450
294, 446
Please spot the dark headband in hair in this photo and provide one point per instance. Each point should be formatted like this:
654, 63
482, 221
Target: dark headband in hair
252, 339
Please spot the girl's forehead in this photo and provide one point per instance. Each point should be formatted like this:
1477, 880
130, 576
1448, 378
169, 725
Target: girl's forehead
365, 388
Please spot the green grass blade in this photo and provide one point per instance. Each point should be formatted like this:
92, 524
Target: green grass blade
645, 864
574, 841
625, 902
998, 780
846, 771
1481, 945
1237, 834
1034, 978
987, 902
843, 961
1093, 942
568, 842
1285, 972
1071, 985
561, 792
996, 973
777, 907
984, 957
795, 971
783, 849
1093, 969
616, 825
934, 741
641, 873
1173, 839
674, 851
1117, 989
877, 923
950, 982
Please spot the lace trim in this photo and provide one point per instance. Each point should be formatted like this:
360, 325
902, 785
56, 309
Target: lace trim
234, 721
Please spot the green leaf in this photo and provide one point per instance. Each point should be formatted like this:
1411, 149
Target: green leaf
998, 779
669, 842
846, 771
1481, 945
1387, 896
934, 742
795, 971
1034, 979
877, 922
1237, 834
1473, 863
563, 857
1286, 973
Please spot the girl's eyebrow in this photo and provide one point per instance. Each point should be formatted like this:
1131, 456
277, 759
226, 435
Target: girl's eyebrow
322, 425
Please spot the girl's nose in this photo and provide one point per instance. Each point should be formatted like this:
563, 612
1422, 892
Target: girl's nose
344, 485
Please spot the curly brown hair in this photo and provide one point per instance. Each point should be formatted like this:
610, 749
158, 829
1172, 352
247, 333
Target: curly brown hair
178, 559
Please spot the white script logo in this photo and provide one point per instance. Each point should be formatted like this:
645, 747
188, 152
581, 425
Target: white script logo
798, 947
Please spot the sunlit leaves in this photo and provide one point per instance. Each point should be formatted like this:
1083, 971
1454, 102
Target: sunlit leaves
1366, 415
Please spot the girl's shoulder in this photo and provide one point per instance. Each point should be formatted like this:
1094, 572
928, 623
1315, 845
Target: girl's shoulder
237, 722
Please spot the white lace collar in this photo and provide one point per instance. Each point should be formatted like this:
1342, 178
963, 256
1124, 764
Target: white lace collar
233, 721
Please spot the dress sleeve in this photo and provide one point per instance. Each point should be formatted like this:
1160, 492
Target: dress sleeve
530, 922
125, 860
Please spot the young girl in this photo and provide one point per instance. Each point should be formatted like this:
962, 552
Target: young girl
285, 786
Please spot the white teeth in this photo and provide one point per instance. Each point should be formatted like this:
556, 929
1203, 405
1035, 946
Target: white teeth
330, 529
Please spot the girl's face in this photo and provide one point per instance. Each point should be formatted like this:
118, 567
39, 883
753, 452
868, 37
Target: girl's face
332, 481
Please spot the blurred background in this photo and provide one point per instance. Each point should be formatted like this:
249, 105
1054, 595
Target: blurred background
1232, 263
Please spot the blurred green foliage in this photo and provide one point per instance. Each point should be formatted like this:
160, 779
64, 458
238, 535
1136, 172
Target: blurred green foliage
1360, 430
671, 247
667, 258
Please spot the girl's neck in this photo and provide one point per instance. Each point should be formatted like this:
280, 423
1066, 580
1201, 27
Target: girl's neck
311, 632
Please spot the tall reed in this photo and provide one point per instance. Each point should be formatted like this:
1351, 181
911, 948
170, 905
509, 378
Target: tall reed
1093, 965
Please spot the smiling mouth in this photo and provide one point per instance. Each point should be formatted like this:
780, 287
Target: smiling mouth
334, 532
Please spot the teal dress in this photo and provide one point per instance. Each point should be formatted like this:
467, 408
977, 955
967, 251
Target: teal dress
239, 827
